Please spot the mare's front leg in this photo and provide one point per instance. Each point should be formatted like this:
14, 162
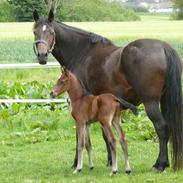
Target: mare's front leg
80, 144
109, 157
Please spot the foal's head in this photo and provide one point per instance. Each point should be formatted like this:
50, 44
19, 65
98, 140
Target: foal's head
62, 84
44, 35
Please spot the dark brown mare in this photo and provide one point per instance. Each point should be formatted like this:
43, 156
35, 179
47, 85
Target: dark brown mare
86, 109
146, 71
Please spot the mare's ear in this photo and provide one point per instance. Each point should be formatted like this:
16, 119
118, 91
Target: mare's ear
35, 15
51, 16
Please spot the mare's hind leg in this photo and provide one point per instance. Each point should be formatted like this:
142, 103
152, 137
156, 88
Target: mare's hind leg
123, 141
88, 146
154, 114
109, 157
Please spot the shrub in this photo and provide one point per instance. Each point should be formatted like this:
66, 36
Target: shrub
95, 10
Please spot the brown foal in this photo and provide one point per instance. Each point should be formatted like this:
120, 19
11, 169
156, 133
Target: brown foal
87, 108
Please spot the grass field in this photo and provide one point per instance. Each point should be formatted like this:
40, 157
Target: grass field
17, 38
37, 142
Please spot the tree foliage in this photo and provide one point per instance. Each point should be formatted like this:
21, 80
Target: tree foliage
23, 8
75, 10
95, 10
178, 5
6, 13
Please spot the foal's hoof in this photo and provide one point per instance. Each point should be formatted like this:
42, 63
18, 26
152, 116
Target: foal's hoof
128, 171
92, 167
76, 171
113, 173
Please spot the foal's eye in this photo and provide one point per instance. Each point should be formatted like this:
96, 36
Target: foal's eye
62, 82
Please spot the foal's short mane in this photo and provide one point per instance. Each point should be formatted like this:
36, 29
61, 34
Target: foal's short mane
93, 38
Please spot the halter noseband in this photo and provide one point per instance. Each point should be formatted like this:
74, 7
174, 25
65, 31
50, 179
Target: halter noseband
45, 43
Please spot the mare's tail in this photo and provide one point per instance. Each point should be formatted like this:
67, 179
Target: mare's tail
171, 105
125, 104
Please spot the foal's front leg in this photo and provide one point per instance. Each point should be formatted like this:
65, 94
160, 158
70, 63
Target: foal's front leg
88, 145
80, 143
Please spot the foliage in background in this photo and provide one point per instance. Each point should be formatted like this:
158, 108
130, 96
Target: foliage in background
6, 13
178, 5
23, 8
95, 10
75, 10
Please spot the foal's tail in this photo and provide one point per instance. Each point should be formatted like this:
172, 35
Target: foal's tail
125, 104
171, 105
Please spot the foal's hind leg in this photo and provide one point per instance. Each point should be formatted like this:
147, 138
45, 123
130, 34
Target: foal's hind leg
109, 157
123, 141
112, 142
88, 146
154, 114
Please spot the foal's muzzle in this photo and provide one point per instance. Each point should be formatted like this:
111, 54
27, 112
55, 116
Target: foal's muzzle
52, 95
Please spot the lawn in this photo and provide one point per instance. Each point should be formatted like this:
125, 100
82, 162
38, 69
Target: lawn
37, 142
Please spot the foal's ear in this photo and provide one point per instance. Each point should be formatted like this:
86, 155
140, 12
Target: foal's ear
51, 16
35, 15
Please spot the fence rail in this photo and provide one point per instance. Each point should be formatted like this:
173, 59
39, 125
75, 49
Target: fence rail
29, 65
10, 101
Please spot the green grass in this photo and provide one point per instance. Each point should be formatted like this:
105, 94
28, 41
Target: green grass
37, 154
37, 144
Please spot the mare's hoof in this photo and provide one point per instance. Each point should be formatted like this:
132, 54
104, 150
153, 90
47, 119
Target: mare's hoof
160, 167
158, 170
128, 171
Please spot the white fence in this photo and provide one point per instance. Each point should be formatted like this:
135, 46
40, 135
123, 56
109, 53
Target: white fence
30, 66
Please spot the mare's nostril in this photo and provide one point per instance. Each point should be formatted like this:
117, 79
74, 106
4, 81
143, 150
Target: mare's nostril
46, 55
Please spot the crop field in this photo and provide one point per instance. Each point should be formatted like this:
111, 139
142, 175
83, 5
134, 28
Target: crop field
37, 141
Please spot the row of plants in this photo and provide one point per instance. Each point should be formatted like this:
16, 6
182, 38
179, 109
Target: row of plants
30, 119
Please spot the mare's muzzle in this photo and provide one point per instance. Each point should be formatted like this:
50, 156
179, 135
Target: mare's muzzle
42, 57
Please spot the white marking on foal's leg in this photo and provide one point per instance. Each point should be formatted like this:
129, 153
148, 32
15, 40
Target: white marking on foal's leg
44, 28
80, 133
123, 142
88, 146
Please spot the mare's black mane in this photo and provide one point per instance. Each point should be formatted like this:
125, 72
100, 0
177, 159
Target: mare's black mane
93, 38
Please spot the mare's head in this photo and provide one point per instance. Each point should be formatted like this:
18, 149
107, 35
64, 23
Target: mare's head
44, 35
62, 84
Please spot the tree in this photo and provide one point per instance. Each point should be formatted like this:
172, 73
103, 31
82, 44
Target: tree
23, 8
178, 5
